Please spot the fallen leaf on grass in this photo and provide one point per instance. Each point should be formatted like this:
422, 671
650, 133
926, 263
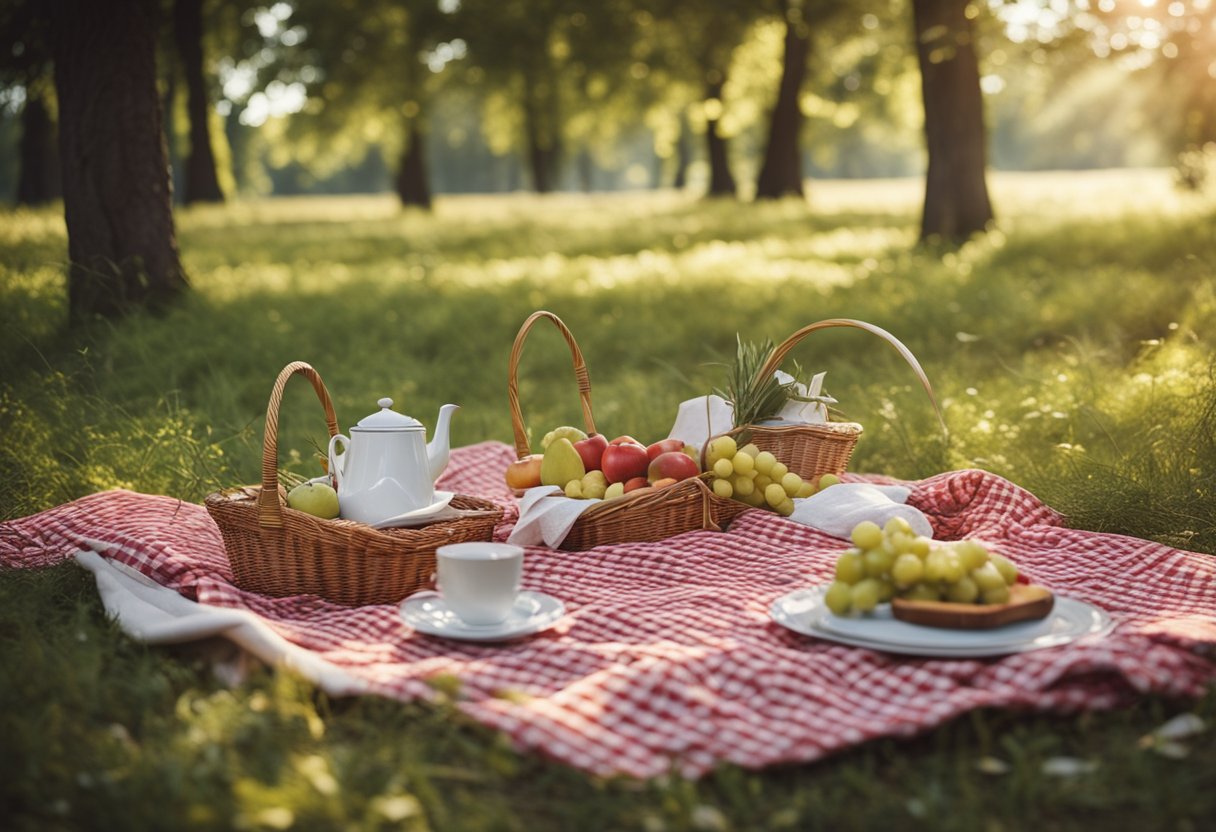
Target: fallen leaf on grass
708, 818
1178, 728
1172, 750
1165, 739
992, 765
1068, 767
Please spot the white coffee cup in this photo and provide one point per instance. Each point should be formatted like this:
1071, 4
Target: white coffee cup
479, 581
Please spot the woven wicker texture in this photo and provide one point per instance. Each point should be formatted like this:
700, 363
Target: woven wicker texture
275, 550
640, 516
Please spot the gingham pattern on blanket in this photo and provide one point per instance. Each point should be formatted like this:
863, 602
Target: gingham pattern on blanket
668, 660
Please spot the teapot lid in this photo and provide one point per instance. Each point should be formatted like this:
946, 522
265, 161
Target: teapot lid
387, 419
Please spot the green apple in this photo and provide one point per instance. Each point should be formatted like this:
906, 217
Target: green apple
315, 498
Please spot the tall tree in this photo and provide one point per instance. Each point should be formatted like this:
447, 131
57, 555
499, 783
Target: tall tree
542, 124
721, 180
956, 191
683, 154
513, 45
369, 66
606, 91
699, 42
201, 183
116, 188
38, 179
781, 171
25, 61
413, 182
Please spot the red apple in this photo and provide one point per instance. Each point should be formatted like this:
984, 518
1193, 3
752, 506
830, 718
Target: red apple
626, 439
664, 483
624, 461
674, 464
634, 483
591, 450
663, 446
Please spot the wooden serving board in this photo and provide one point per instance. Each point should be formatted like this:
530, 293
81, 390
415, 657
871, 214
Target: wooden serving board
1026, 602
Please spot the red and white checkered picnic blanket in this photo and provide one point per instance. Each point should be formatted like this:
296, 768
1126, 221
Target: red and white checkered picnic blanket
668, 659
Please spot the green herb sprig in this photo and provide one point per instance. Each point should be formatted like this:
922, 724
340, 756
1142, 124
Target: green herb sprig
755, 399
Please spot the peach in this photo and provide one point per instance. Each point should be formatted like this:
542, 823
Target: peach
675, 465
524, 473
663, 446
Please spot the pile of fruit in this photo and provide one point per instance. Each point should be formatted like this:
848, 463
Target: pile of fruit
756, 477
591, 467
893, 562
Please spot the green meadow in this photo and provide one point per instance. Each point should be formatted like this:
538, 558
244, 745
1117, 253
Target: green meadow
1071, 349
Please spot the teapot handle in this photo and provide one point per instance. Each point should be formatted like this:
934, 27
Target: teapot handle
337, 461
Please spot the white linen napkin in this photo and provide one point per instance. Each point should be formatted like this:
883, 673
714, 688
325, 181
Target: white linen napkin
837, 509
546, 521
700, 418
705, 416
802, 413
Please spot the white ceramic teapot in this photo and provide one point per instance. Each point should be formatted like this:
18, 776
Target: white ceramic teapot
388, 468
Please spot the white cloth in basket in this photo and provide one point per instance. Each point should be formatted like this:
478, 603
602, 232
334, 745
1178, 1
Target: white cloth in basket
546, 515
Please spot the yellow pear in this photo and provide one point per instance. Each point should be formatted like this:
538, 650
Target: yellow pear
561, 463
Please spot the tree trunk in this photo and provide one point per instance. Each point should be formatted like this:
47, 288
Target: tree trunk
168, 102
116, 189
683, 155
413, 184
781, 173
956, 193
721, 182
540, 143
38, 179
202, 185
586, 171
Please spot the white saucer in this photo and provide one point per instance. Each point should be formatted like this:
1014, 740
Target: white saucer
803, 612
419, 516
427, 613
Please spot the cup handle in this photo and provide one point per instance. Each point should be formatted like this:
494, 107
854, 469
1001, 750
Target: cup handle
337, 461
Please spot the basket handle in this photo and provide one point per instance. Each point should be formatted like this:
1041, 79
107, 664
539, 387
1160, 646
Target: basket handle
777, 356
522, 449
270, 513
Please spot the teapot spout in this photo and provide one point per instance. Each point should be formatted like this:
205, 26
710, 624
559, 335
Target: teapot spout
439, 448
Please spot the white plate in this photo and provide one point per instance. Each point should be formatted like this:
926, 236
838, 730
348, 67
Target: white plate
418, 516
803, 612
427, 613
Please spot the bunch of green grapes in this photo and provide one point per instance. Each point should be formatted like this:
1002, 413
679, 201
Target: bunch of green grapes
755, 477
892, 561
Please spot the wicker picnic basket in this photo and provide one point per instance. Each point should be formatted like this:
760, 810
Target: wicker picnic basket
643, 515
276, 550
811, 450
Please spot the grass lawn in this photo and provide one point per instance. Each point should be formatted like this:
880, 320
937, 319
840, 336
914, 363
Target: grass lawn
1072, 349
